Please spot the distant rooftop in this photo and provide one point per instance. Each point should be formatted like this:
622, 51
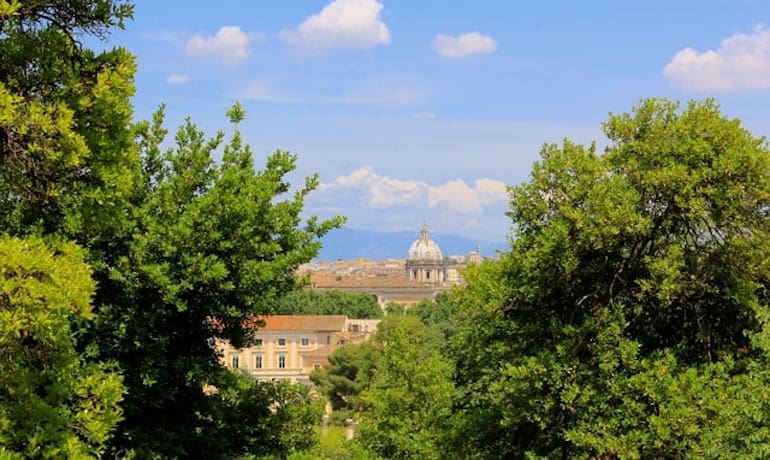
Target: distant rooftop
336, 280
303, 323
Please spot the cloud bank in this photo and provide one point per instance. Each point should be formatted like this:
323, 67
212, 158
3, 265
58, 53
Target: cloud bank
229, 44
463, 45
371, 200
342, 24
381, 91
177, 79
741, 63
424, 115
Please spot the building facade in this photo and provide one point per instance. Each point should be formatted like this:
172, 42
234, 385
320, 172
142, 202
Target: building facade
291, 347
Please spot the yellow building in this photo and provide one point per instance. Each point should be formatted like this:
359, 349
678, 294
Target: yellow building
291, 347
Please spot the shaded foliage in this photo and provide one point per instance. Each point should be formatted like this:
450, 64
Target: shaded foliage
406, 411
633, 301
265, 419
183, 249
54, 402
348, 373
332, 302
438, 313
213, 245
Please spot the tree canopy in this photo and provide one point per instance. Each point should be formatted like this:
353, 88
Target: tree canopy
347, 375
333, 302
67, 162
406, 410
634, 297
213, 245
182, 247
54, 403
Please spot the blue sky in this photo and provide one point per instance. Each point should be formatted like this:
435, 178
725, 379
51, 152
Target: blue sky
422, 111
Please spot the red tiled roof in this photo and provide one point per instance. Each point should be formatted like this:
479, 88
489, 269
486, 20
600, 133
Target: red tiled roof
303, 323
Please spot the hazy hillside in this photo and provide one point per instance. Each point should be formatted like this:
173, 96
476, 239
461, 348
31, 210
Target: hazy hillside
347, 243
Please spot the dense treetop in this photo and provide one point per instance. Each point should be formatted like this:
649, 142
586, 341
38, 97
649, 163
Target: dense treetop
173, 237
634, 299
333, 302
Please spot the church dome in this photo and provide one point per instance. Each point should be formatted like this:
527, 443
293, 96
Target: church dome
424, 249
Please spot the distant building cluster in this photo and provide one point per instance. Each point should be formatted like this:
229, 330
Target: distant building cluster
425, 265
291, 347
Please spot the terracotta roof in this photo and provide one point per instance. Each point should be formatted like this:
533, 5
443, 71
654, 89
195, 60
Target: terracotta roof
331, 280
304, 323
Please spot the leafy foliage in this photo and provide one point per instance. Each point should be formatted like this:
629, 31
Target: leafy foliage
348, 373
633, 300
438, 313
213, 245
407, 409
630, 319
182, 248
333, 445
67, 163
333, 302
54, 403
296, 417
266, 419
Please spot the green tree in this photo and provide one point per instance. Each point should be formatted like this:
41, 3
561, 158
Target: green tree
406, 412
395, 308
213, 245
333, 302
67, 164
266, 419
438, 313
483, 339
67, 167
634, 300
296, 418
183, 249
334, 445
348, 373
54, 403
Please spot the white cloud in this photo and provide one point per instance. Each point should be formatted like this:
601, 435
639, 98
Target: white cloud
394, 92
230, 44
463, 45
491, 191
386, 203
387, 91
378, 191
425, 115
741, 63
177, 79
263, 90
456, 196
342, 24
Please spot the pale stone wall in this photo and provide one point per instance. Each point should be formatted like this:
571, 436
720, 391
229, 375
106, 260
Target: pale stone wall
302, 351
271, 351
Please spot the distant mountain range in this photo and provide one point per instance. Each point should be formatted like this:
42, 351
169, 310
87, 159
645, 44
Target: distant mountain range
348, 243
